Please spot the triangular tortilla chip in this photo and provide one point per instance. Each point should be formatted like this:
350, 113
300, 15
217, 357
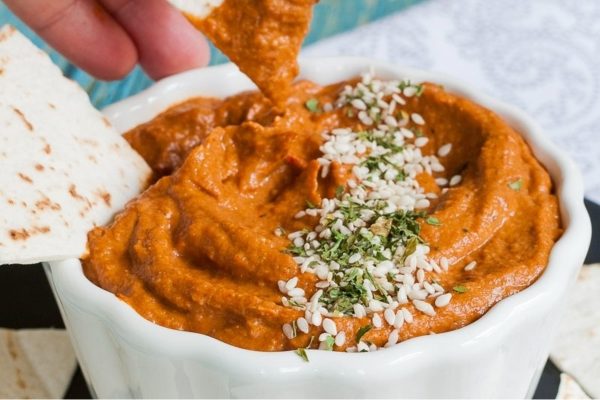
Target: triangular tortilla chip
576, 349
35, 363
262, 37
63, 168
569, 389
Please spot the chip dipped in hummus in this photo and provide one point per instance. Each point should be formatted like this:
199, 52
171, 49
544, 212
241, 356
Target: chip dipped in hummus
262, 37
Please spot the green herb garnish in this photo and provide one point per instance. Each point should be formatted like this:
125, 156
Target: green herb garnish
433, 221
362, 331
301, 352
339, 191
312, 105
460, 289
516, 185
309, 204
329, 342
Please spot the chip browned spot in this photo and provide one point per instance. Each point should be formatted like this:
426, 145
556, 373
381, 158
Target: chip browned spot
23, 118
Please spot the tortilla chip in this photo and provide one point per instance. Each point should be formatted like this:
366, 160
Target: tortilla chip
196, 9
35, 363
576, 350
63, 168
262, 37
569, 389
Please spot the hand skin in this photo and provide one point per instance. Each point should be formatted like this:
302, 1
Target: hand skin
107, 38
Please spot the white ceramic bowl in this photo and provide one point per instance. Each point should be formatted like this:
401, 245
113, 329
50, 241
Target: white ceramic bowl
500, 355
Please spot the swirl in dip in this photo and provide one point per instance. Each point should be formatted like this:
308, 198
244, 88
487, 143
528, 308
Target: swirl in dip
368, 212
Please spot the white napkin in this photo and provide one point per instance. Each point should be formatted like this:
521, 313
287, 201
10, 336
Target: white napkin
541, 55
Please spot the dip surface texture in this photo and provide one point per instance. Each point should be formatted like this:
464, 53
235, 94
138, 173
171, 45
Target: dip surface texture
198, 251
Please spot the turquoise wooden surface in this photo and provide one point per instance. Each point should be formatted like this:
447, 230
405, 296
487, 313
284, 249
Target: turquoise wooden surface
330, 17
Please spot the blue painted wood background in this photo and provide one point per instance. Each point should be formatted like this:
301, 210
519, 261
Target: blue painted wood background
330, 17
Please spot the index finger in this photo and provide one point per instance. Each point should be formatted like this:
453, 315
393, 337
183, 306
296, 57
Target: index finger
83, 32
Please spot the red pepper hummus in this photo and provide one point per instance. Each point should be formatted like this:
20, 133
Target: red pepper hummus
366, 213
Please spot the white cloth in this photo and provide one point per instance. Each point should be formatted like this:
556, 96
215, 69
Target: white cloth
541, 55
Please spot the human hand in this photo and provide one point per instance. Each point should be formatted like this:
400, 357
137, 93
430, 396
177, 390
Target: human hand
108, 37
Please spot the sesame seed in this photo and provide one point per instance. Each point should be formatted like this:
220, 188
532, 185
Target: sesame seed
291, 283
422, 141
424, 307
302, 325
340, 339
444, 263
417, 119
288, 331
362, 346
444, 150
455, 180
281, 286
389, 316
324, 336
316, 319
407, 316
359, 311
329, 326
441, 181
377, 323
393, 337
375, 305
471, 266
358, 104
409, 91
443, 300
354, 258
399, 320
296, 292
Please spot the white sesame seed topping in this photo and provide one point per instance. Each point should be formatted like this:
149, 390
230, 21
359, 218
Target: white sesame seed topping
393, 337
444, 150
288, 331
424, 307
296, 292
407, 316
409, 91
455, 180
399, 320
302, 325
291, 283
444, 263
329, 326
471, 266
441, 181
361, 272
422, 141
316, 319
417, 119
390, 316
377, 323
443, 300
362, 346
